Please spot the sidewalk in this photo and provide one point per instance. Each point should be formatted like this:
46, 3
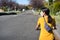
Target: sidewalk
57, 33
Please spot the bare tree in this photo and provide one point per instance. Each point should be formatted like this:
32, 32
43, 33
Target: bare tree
8, 3
11, 4
36, 3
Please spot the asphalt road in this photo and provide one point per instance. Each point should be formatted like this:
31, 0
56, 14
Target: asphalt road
21, 27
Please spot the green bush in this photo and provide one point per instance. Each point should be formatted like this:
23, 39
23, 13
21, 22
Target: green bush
56, 7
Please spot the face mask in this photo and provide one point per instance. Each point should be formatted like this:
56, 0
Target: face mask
41, 13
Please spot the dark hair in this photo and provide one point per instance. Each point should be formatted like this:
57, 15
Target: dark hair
47, 11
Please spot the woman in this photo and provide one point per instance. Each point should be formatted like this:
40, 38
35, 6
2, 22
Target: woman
45, 16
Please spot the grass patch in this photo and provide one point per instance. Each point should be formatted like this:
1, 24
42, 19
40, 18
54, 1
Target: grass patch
57, 19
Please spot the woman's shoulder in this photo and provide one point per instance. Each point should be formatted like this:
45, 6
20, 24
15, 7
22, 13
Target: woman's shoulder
40, 18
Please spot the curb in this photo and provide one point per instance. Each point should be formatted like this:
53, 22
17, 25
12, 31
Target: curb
56, 34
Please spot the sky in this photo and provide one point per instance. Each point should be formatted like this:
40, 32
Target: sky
24, 2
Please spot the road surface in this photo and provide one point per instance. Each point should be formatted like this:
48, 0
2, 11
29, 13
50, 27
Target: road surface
19, 27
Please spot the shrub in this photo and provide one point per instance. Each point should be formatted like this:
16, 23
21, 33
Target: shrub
54, 8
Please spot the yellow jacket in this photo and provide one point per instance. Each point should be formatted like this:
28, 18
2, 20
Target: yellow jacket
44, 34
